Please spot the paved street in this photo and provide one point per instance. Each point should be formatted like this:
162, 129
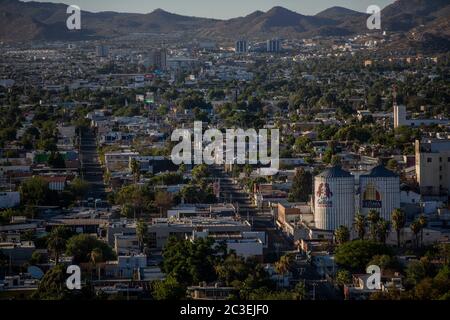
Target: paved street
260, 220
92, 170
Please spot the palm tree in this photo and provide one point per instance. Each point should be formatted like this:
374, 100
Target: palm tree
56, 242
107, 177
423, 221
141, 231
283, 265
415, 228
135, 169
3, 260
163, 200
360, 225
182, 168
382, 230
398, 222
96, 256
342, 235
373, 217
300, 292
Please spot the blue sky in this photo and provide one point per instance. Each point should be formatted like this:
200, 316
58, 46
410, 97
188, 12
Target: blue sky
221, 9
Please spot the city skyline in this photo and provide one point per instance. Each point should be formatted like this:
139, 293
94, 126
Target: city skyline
218, 9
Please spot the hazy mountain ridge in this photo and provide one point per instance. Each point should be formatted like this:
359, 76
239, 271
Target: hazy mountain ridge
25, 21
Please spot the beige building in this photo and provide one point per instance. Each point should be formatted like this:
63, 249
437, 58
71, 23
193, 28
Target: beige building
433, 166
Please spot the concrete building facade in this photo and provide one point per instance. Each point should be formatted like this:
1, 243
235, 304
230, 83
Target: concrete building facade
433, 166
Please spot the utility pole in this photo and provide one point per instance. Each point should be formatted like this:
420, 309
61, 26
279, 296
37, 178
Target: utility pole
314, 291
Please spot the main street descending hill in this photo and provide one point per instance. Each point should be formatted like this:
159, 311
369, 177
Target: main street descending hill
91, 168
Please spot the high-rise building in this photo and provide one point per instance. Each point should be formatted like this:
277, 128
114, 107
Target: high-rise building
274, 45
380, 191
334, 199
102, 51
433, 166
158, 59
241, 46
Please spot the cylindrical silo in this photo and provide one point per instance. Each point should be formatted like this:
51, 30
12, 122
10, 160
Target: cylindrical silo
379, 190
334, 199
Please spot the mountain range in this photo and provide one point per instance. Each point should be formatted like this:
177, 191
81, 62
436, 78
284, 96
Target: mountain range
27, 21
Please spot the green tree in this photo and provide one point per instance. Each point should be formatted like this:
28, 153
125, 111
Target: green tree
135, 170
81, 246
190, 261
233, 269
423, 222
79, 188
56, 160
37, 258
182, 169
398, 223
301, 186
284, 265
53, 285
200, 172
360, 225
392, 165
248, 169
335, 160
163, 201
444, 253
415, 272
96, 257
416, 227
57, 241
303, 144
3, 260
342, 235
356, 254
300, 292
169, 289
133, 197
382, 230
328, 156
35, 191
373, 217
343, 277
142, 234
385, 262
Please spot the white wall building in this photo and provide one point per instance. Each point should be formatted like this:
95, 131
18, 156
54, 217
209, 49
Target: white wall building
9, 199
400, 119
245, 244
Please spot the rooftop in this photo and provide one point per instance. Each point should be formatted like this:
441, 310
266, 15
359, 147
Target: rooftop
335, 172
381, 172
